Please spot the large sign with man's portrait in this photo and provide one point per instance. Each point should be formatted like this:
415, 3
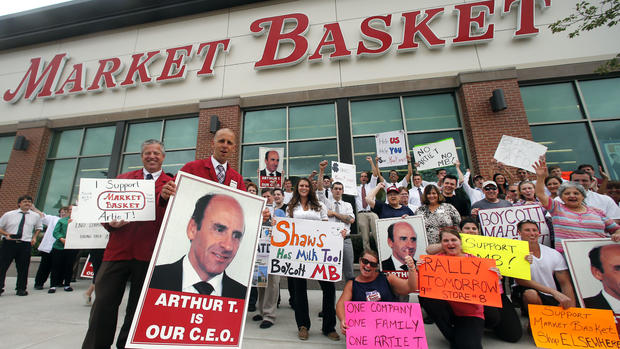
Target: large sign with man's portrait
398, 238
595, 268
199, 277
270, 167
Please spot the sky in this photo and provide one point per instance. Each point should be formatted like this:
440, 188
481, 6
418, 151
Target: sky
14, 6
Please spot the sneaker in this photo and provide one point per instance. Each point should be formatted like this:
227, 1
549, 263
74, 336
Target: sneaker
303, 333
38, 287
51, 290
22, 293
68, 289
257, 317
265, 324
332, 335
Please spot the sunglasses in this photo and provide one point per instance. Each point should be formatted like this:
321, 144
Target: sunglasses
366, 261
513, 190
490, 188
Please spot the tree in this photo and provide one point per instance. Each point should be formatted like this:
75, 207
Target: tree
588, 17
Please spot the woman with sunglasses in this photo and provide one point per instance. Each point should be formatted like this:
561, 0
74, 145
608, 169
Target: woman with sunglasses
305, 205
573, 219
374, 286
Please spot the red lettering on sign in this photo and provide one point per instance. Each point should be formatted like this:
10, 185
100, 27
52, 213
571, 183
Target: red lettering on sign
31, 83
175, 61
332, 39
466, 20
380, 37
276, 36
421, 29
108, 68
139, 65
75, 80
525, 21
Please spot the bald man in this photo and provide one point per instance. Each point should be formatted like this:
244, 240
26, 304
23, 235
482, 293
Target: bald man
216, 167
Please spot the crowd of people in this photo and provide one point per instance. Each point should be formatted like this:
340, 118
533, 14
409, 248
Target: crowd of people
582, 206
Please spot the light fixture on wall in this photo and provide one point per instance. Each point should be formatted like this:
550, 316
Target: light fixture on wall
21, 143
498, 102
214, 124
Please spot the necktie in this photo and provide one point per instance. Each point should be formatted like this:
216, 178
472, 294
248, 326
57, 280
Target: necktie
203, 287
364, 204
221, 174
272, 174
326, 193
404, 267
20, 228
420, 193
337, 208
149, 176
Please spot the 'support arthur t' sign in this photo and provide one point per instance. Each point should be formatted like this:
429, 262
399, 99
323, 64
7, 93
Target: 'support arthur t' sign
42, 81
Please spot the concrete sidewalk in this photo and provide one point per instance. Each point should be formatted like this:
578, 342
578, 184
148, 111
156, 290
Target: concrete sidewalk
60, 320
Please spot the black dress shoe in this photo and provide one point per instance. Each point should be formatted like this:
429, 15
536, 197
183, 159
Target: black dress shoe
257, 317
265, 324
251, 308
37, 287
320, 314
22, 292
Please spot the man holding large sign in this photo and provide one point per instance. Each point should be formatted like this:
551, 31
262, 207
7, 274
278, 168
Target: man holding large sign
126, 258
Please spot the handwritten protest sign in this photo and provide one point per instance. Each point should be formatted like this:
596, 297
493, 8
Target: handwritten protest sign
170, 314
384, 325
306, 249
88, 272
85, 235
460, 279
345, 174
509, 254
502, 222
270, 167
261, 266
519, 152
105, 200
434, 155
391, 148
555, 327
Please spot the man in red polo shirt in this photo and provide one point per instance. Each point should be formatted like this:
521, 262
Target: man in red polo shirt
126, 258
216, 167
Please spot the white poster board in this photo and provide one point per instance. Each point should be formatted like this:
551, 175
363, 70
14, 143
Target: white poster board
588, 288
391, 149
270, 167
502, 222
105, 200
85, 235
435, 155
411, 223
519, 152
222, 244
306, 249
345, 174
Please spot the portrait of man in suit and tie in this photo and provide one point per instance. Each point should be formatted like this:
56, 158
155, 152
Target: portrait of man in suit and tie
272, 162
605, 267
402, 239
215, 231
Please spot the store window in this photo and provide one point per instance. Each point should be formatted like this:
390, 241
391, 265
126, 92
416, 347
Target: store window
6, 145
579, 121
179, 137
87, 153
425, 119
74, 154
307, 134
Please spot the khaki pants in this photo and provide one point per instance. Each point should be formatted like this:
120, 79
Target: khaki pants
366, 226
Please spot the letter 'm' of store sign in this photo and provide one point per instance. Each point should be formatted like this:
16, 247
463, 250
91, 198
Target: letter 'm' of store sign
43, 80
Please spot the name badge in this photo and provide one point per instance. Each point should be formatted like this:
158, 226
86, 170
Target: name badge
373, 296
233, 184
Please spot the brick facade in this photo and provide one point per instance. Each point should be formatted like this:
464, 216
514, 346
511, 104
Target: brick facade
25, 168
484, 128
230, 117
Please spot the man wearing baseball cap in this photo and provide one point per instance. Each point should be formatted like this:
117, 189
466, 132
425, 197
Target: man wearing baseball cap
392, 208
489, 188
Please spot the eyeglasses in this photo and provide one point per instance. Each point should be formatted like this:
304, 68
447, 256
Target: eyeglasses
366, 261
513, 190
490, 188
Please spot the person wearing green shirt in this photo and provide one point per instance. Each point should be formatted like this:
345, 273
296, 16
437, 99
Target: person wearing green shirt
62, 259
